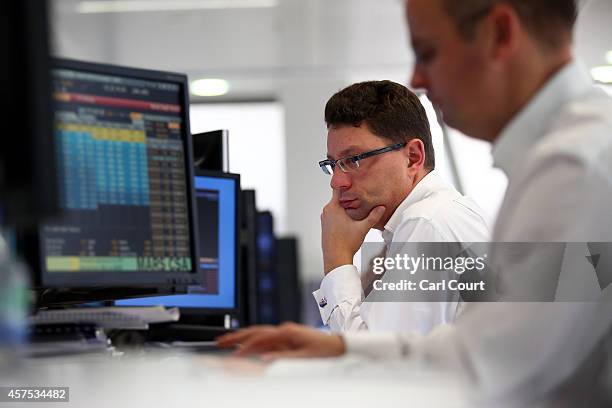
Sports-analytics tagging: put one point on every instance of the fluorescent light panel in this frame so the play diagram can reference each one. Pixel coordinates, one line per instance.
(135, 6)
(209, 87)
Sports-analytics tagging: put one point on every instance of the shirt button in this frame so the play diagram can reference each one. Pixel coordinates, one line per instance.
(323, 303)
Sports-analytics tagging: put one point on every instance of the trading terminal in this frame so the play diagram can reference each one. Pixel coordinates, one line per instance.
(137, 216)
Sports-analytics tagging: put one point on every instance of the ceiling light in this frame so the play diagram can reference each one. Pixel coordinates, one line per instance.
(602, 74)
(609, 57)
(127, 6)
(209, 87)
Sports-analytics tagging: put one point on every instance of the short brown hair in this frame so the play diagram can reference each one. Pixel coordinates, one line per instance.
(550, 22)
(390, 110)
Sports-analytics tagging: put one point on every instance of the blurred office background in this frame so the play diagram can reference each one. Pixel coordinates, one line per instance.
(279, 62)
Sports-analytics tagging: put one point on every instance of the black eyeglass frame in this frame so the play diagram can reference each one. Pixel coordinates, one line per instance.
(355, 159)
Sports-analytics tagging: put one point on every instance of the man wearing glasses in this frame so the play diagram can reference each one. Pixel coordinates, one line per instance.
(381, 161)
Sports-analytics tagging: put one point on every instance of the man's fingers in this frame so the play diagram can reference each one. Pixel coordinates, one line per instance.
(335, 194)
(375, 215)
(260, 343)
(334, 202)
(231, 339)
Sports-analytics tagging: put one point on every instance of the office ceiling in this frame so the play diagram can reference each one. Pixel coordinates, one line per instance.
(258, 43)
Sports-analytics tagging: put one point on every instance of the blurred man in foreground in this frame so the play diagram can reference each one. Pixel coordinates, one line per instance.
(503, 71)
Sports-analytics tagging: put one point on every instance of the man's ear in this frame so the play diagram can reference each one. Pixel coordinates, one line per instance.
(504, 30)
(415, 151)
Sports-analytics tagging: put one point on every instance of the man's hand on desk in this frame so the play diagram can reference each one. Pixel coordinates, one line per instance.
(289, 340)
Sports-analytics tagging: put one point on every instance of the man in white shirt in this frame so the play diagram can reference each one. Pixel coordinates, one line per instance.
(380, 153)
(503, 71)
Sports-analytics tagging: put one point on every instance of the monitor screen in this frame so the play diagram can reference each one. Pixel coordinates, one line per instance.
(217, 203)
(125, 180)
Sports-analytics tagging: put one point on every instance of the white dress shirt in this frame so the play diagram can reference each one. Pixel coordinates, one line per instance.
(433, 212)
(557, 154)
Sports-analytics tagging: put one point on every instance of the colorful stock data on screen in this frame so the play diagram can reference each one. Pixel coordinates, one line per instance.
(122, 177)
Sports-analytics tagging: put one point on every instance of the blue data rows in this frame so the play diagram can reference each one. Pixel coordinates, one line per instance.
(98, 171)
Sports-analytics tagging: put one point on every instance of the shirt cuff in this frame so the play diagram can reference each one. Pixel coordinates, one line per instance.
(340, 285)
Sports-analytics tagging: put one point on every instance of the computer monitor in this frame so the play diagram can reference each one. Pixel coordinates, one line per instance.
(28, 188)
(125, 176)
(211, 150)
(288, 280)
(248, 254)
(267, 279)
(217, 197)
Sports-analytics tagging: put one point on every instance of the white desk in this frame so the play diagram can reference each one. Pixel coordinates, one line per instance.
(173, 379)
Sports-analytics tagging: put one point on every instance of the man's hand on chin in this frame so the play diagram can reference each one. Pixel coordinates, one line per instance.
(341, 236)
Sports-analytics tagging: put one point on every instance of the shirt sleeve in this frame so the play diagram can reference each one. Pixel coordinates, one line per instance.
(339, 299)
(502, 348)
(432, 348)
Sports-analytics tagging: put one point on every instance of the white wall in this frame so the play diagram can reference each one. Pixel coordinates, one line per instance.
(256, 149)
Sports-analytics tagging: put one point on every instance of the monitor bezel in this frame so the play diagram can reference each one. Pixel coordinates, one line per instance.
(249, 255)
(153, 282)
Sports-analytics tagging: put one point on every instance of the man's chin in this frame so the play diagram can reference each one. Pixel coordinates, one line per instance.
(356, 214)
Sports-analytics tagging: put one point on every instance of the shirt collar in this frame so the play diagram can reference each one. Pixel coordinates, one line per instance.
(529, 125)
(431, 182)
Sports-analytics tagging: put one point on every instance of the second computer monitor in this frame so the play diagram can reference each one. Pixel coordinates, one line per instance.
(217, 203)
(211, 150)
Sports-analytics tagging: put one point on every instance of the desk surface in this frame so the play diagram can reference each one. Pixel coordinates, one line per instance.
(171, 379)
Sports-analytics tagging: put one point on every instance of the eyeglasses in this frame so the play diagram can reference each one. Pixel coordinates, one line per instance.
(350, 164)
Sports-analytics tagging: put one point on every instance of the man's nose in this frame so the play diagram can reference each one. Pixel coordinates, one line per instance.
(340, 180)
(418, 80)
